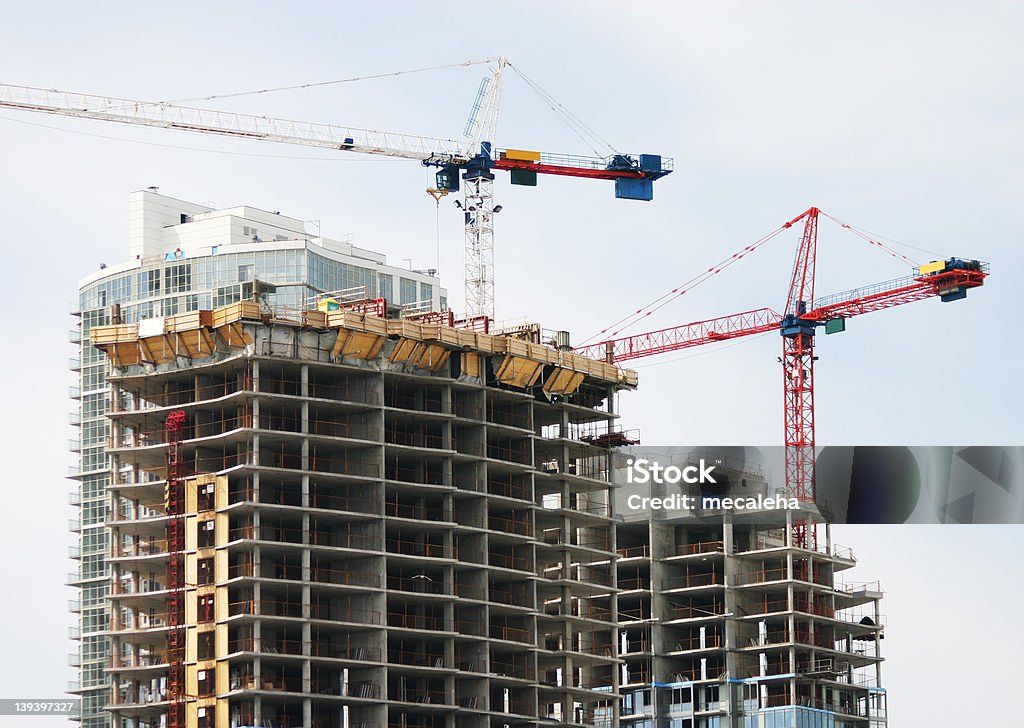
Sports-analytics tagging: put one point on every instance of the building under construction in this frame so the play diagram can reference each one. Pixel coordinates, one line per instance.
(338, 512)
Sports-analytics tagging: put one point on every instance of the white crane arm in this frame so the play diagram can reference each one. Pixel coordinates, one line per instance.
(246, 126)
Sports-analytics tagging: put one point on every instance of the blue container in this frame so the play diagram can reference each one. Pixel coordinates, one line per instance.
(628, 188)
(650, 163)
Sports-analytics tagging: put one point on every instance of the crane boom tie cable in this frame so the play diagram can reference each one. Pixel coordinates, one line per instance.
(658, 303)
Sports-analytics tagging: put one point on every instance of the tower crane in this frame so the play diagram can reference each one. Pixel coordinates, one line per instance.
(469, 163)
(948, 279)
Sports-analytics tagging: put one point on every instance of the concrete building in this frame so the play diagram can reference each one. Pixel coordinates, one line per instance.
(373, 518)
(185, 257)
(385, 523)
(725, 621)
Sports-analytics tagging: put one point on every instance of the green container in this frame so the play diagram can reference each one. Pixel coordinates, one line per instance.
(525, 177)
(835, 326)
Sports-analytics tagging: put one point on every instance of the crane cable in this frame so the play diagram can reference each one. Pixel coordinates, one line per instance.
(658, 303)
(873, 239)
(589, 137)
(390, 74)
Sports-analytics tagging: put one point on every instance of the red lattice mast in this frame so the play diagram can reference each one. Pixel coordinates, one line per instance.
(175, 506)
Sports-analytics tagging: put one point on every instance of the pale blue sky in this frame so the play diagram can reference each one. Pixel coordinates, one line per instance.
(901, 119)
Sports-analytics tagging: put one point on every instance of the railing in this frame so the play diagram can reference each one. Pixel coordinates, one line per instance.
(701, 547)
(593, 612)
(266, 607)
(771, 637)
(414, 511)
(511, 634)
(507, 453)
(416, 658)
(360, 391)
(417, 621)
(150, 548)
(420, 548)
(708, 642)
(418, 695)
(417, 475)
(637, 614)
(344, 577)
(636, 646)
(590, 575)
(399, 399)
(340, 502)
(239, 570)
(515, 526)
(508, 561)
(364, 689)
(468, 591)
(597, 509)
(509, 418)
(420, 584)
(858, 587)
(764, 575)
(508, 489)
(522, 671)
(634, 584)
(187, 396)
(768, 606)
(691, 612)
(394, 436)
(512, 597)
(320, 648)
(638, 676)
(634, 552)
(689, 581)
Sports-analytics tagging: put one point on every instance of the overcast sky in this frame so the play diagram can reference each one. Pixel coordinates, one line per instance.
(903, 119)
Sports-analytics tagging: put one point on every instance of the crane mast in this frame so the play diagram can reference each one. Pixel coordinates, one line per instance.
(798, 373)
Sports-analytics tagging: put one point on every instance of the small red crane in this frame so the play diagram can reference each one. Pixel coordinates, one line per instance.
(948, 279)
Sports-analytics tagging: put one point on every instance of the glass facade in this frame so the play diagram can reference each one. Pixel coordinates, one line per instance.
(160, 288)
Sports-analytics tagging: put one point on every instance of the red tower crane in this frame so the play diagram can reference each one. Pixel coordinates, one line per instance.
(948, 279)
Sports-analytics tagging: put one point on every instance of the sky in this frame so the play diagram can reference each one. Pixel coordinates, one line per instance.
(902, 119)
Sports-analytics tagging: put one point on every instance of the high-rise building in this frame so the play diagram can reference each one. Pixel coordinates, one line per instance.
(303, 506)
(186, 257)
(382, 522)
(731, 619)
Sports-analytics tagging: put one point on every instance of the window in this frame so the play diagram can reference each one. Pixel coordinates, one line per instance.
(206, 532)
(205, 608)
(206, 683)
(205, 645)
(385, 286)
(205, 716)
(149, 282)
(205, 572)
(178, 278)
(406, 291)
(205, 497)
(245, 273)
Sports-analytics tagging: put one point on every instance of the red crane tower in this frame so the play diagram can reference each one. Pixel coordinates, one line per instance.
(948, 279)
(174, 503)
